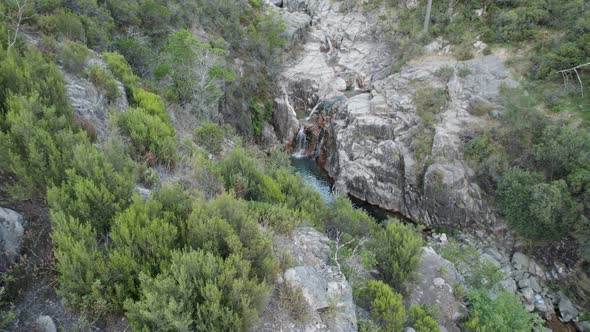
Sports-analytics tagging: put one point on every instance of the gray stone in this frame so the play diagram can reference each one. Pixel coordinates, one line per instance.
(443, 238)
(409, 329)
(528, 294)
(567, 310)
(583, 326)
(438, 282)
(534, 284)
(520, 261)
(509, 284)
(321, 283)
(45, 324)
(430, 289)
(11, 237)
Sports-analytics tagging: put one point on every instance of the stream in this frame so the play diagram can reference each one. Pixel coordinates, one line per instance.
(317, 178)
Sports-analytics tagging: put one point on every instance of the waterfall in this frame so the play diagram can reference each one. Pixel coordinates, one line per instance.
(301, 143)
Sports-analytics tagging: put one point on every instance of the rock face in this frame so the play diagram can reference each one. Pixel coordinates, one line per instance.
(434, 287)
(371, 134)
(89, 102)
(45, 324)
(327, 294)
(11, 236)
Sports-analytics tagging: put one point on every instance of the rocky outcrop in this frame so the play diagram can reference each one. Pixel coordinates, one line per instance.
(11, 236)
(90, 103)
(434, 287)
(374, 133)
(327, 294)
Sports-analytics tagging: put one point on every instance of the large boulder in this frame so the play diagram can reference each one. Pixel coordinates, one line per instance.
(434, 286)
(11, 236)
(326, 292)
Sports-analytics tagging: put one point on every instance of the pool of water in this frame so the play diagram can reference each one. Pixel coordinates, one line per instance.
(318, 179)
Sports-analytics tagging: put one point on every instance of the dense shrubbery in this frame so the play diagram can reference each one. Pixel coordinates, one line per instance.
(210, 136)
(385, 305)
(501, 312)
(398, 249)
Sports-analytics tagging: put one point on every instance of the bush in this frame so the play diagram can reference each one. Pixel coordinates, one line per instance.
(78, 260)
(385, 305)
(398, 250)
(73, 56)
(245, 175)
(421, 321)
(151, 103)
(445, 73)
(199, 292)
(211, 136)
(502, 312)
(348, 223)
(279, 218)
(533, 208)
(292, 300)
(225, 226)
(465, 71)
(120, 68)
(152, 138)
(104, 80)
(429, 102)
(480, 108)
(95, 188)
(37, 144)
(478, 273)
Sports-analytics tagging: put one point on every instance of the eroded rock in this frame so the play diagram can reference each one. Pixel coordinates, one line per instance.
(11, 237)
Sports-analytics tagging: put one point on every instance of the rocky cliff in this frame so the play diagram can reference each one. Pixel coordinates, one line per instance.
(364, 124)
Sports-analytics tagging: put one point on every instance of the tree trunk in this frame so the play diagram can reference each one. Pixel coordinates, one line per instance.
(427, 18)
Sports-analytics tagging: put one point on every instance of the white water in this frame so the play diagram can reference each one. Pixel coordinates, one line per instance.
(301, 143)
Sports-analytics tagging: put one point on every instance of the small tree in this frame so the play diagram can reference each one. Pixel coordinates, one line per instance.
(385, 305)
(398, 250)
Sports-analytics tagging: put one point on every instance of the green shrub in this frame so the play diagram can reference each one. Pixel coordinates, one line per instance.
(211, 136)
(96, 187)
(385, 305)
(292, 300)
(348, 223)
(422, 143)
(225, 226)
(487, 157)
(151, 103)
(37, 144)
(429, 102)
(421, 321)
(199, 292)
(533, 208)
(152, 138)
(78, 260)
(120, 68)
(27, 73)
(478, 273)
(480, 108)
(398, 250)
(445, 73)
(245, 175)
(582, 235)
(64, 23)
(73, 56)
(502, 312)
(104, 80)
(465, 71)
(279, 218)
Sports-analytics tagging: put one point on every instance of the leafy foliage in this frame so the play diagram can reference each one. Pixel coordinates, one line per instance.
(385, 305)
(502, 312)
(398, 250)
(198, 292)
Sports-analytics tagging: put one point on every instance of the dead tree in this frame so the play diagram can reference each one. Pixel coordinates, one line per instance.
(568, 74)
(427, 18)
(17, 19)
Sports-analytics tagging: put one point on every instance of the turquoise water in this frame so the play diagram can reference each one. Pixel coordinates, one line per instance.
(318, 179)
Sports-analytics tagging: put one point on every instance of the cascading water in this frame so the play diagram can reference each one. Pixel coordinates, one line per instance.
(301, 143)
